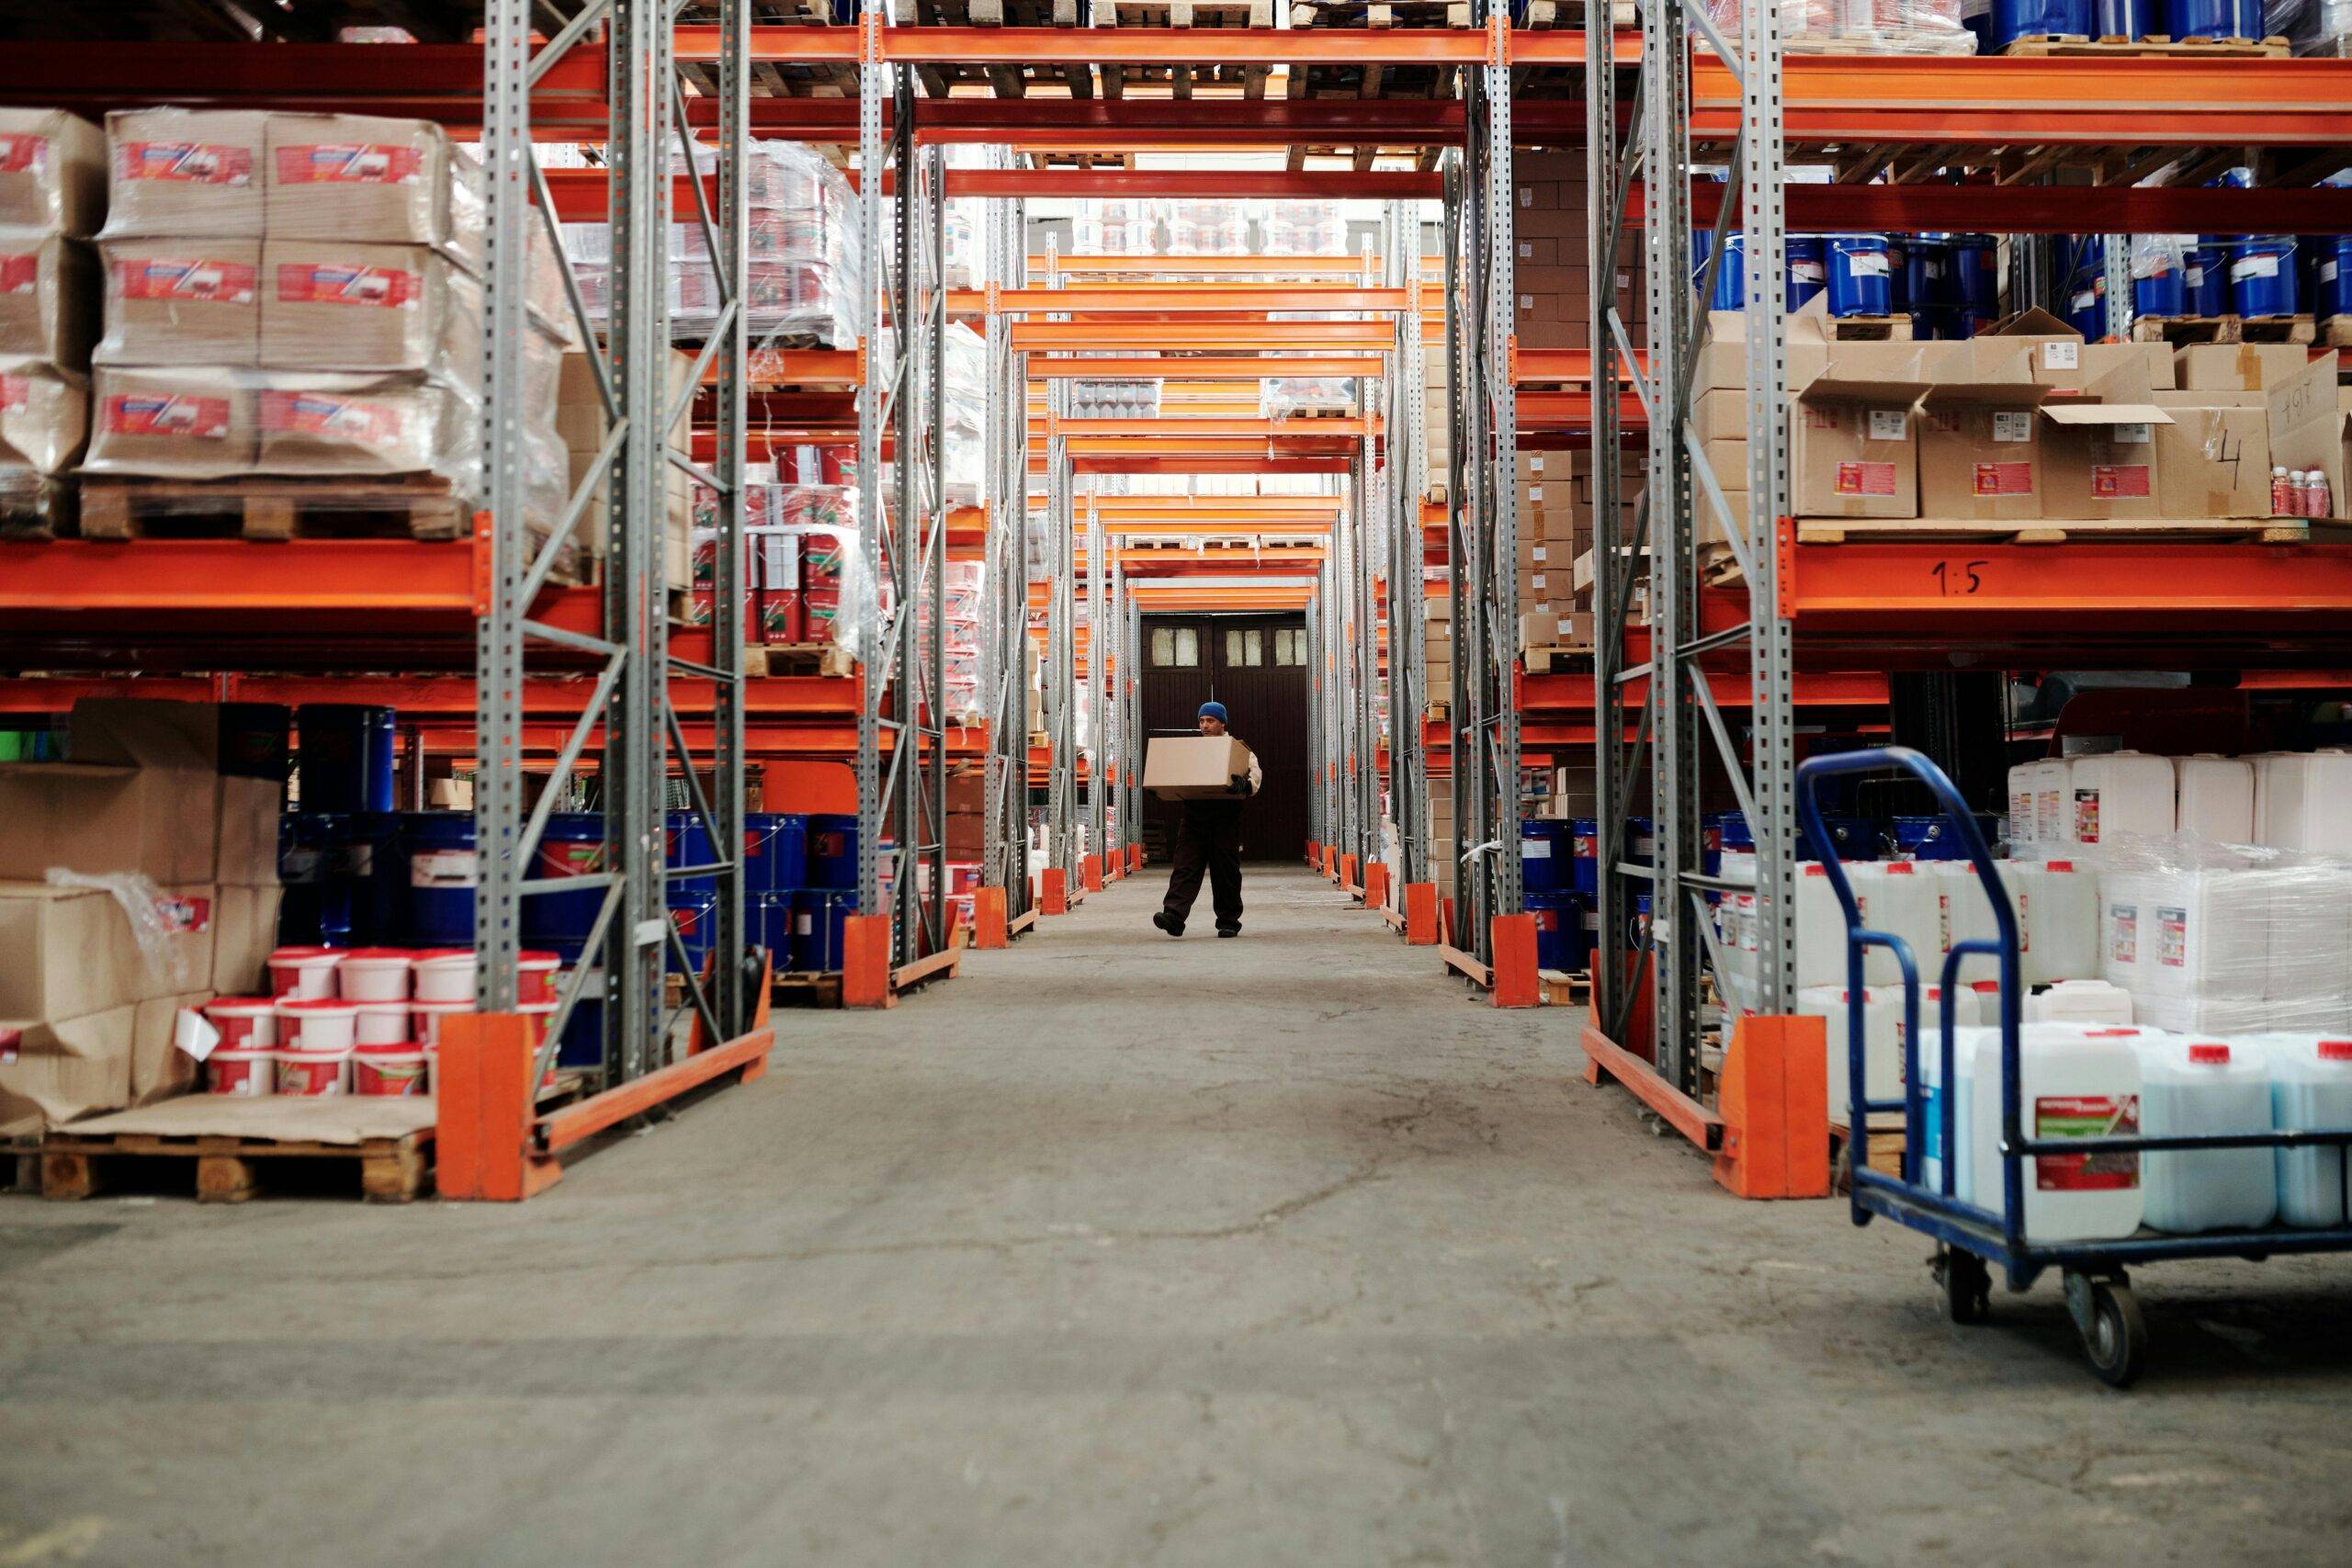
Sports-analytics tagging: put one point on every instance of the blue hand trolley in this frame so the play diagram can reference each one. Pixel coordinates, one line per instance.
(1970, 1241)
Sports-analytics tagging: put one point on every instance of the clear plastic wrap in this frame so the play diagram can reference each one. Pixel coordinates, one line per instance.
(44, 418)
(1115, 400)
(1859, 26)
(52, 171)
(2227, 939)
(2159, 256)
(1281, 397)
(1208, 228)
(1303, 229)
(49, 298)
(1113, 228)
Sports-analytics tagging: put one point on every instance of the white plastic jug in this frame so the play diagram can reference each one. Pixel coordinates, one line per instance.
(2057, 904)
(2308, 802)
(2119, 792)
(2310, 1091)
(1821, 927)
(2261, 763)
(1882, 1053)
(2216, 797)
(2079, 1001)
(1966, 915)
(2194, 1085)
(2074, 1083)
(2053, 801)
(2023, 827)
(2307, 971)
(1902, 899)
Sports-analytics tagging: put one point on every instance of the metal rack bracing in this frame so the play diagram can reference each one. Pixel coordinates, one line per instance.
(633, 935)
(1004, 635)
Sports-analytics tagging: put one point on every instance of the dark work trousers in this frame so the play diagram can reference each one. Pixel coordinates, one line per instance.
(1208, 839)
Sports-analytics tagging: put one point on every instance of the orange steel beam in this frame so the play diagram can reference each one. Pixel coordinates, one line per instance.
(436, 698)
(1203, 367)
(1141, 46)
(1135, 299)
(1191, 529)
(1251, 266)
(1177, 428)
(1269, 510)
(1031, 337)
(1178, 463)
(1226, 184)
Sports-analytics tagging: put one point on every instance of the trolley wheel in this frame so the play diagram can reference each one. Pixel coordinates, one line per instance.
(1968, 1286)
(2107, 1316)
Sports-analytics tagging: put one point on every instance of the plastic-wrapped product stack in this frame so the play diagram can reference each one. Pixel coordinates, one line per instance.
(297, 295)
(2217, 940)
(1861, 26)
(1113, 228)
(52, 198)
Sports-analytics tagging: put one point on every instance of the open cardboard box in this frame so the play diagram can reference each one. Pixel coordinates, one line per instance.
(1853, 448)
(1980, 443)
(2309, 430)
(2099, 459)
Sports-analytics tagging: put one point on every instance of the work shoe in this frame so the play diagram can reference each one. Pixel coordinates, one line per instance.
(1172, 927)
(1229, 931)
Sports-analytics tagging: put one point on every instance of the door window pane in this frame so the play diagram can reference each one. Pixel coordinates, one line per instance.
(1163, 646)
(1254, 643)
(1232, 649)
(1188, 647)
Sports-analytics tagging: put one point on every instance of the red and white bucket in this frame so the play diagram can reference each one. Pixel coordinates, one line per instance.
(534, 977)
(446, 974)
(428, 1017)
(241, 1072)
(315, 1024)
(375, 974)
(389, 1070)
(303, 971)
(312, 1073)
(384, 1023)
(246, 1024)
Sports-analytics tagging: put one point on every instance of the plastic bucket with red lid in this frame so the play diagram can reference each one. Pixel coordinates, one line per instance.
(246, 1024)
(252, 1071)
(317, 1023)
(303, 971)
(444, 975)
(428, 1017)
(398, 1069)
(312, 1073)
(385, 1023)
(535, 977)
(375, 974)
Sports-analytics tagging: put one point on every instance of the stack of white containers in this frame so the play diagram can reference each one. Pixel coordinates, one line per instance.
(2285, 800)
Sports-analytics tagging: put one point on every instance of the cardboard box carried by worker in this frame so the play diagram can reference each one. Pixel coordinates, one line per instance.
(1197, 767)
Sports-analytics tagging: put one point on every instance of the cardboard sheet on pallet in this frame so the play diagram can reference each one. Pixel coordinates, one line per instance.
(349, 1119)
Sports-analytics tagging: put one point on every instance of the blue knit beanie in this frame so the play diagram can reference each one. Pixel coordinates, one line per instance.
(1214, 711)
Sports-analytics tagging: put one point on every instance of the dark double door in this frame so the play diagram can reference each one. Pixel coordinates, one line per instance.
(1255, 665)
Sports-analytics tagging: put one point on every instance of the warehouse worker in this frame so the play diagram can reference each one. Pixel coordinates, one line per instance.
(1210, 837)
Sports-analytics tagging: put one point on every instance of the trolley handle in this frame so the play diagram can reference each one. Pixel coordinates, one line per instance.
(2005, 950)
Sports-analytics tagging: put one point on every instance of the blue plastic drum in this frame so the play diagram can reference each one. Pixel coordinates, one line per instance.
(1808, 271)
(696, 915)
(1858, 275)
(817, 920)
(832, 851)
(444, 872)
(2013, 19)
(1557, 925)
(573, 845)
(2262, 276)
(1928, 282)
(775, 851)
(344, 752)
(2214, 18)
(768, 919)
(1584, 854)
(2164, 292)
(2333, 291)
(2205, 281)
(1545, 847)
(1731, 277)
(687, 840)
(1977, 275)
(2128, 19)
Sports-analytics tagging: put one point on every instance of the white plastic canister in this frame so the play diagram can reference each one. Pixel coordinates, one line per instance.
(1881, 1052)
(2216, 797)
(2073, 1083)
(2310, 1091)
(2022, 828)
(2119, 792)
(2053, 801)
(2308, 802)
(2197, 1085)
(2057, 904)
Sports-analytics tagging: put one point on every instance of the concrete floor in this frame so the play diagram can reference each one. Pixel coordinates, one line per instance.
(1121, 1249)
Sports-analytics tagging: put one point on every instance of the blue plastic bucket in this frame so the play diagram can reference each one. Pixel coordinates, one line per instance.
(573, 845)
(444, 873)
(584, 1034)
(1545, 847)
(1639, 841)
(2162, 293)
(315, 907)
(1808, 270)
(1735, 835)
(832, 851)
(2085, 263)
(1927, 837)
(696, 917)
(2262, 276)
(1927, 281)
(1977, 275)
(2013, 19)
(775, 851)
(1731, 278)
(2205, 281)
(1898, 277)
(817, 923)
(1939, 325)
(1558, 926)
(686, 841)
(768, 918)
(2133, 20)
(2214, 18)
(2333, 292)
(1855, 836)
(1858, 275)
(1584, 854)
(346, 757)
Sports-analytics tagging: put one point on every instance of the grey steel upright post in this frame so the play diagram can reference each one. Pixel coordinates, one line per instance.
(1615, 767)
(1098, 647)
(1499, 460)
(1408, 456)
(1459, 560)
(1004, 669)
(1061, 722)
(1108, 641)
(876, 243)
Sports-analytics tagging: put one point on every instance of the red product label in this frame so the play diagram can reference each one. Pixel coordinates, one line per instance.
(2085, 1116)
(2005, 478)
(19, 274)
(334, 283)
(2172, 937)
(350, 163)
(1864, 479)
(184, 914)
(2117, 482)
(2123, 933)
(209, 282)
(188, 162)
(2087, 816)
(16, 394)
(23, 155)
(203, 419)
(339, 419)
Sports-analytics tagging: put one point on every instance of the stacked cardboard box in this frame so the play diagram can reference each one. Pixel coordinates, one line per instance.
(298, 294)
(52, 198)
(153, 832)
(1553, 256)
(581, 426)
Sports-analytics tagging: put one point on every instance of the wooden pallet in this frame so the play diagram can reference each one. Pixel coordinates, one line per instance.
(275, 510)
(20, 1156)
(1556, 658)
(38, 508)
(798, 659)
(1564, 990)
(2048, 46)
(1869, 329)
(2061, 530)
(1886, 1147)
(227, 1169)
(2335, 331)
(2181, 331)
(806, 988)
(1309, 413)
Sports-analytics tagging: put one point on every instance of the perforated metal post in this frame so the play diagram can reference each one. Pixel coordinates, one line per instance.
(1616, 767)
